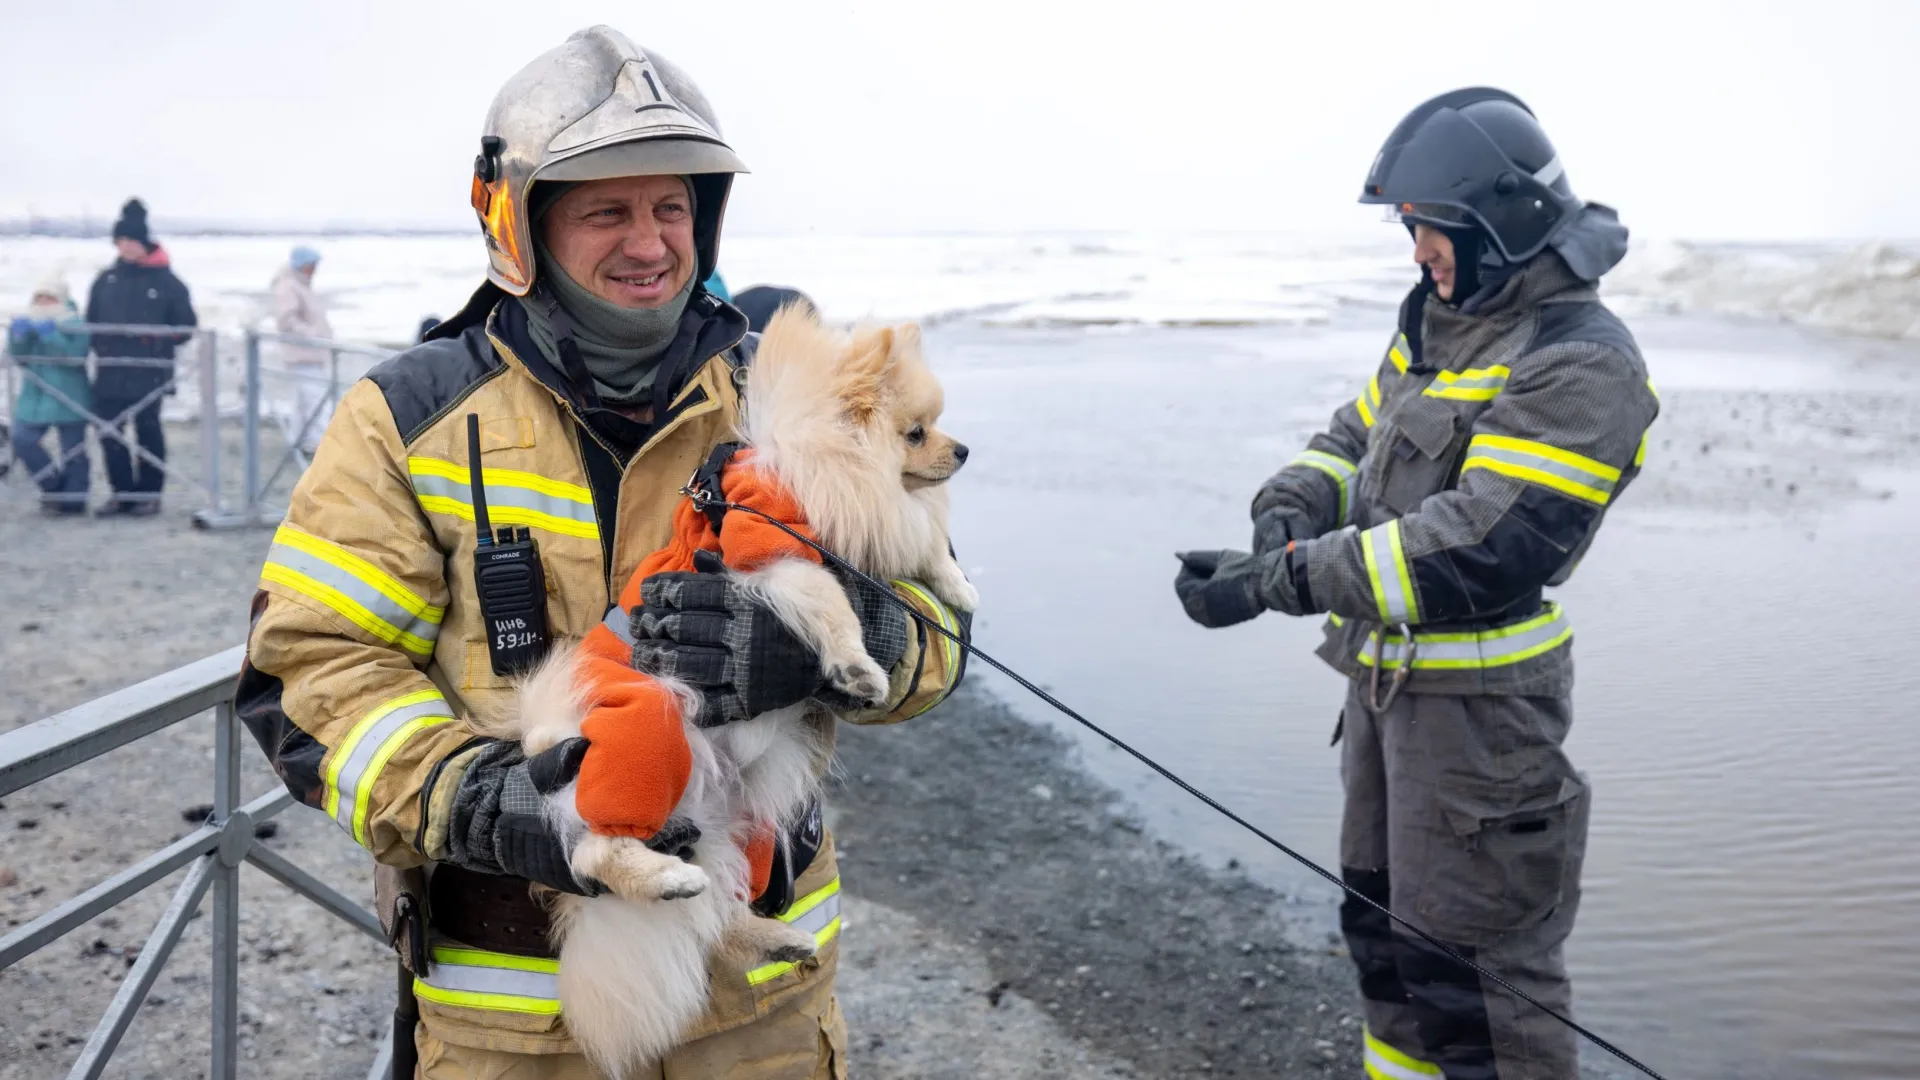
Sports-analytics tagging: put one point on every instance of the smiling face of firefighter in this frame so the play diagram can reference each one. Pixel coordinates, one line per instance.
(627, 240)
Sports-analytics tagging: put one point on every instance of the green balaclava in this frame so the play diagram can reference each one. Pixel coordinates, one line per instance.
(621, 346)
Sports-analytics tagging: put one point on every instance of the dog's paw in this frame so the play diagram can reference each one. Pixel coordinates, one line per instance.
(790, 953)
(862, 680)
(950, 584)
(680, 882)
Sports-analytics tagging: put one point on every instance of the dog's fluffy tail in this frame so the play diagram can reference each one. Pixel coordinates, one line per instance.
(634, 976)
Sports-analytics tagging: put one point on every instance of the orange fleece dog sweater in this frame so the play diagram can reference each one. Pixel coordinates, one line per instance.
(634, 785)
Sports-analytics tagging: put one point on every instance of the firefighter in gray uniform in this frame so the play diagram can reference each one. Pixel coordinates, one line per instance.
(1473, 469)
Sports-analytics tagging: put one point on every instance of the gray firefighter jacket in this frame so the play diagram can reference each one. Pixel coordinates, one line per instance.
(1472, 471)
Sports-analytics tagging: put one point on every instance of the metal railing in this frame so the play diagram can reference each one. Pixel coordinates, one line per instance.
(258, 408)
(205, 346)
(297, 424)
(213, 852)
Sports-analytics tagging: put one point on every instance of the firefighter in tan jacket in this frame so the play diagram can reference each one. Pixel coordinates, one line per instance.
(603, 376)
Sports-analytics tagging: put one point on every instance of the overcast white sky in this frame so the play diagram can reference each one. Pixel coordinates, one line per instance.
(1697, 119)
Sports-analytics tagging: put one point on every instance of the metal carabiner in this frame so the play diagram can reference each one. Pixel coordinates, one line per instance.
(1400, 674)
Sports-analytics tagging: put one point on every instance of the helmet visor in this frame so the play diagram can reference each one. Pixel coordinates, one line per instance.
(1439, 215)
(646, 157)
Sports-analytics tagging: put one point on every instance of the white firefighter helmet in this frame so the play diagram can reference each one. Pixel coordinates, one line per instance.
(595, 107)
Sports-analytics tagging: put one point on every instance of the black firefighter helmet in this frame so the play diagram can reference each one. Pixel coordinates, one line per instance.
(1475, 158)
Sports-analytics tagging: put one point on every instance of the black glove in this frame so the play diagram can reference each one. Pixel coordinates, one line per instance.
(704, 629)
(497, 824)
(1218, 588)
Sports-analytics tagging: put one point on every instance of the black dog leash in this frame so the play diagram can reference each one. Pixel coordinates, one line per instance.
(708, 501)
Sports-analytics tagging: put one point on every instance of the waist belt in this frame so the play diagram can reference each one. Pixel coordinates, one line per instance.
(489, 911)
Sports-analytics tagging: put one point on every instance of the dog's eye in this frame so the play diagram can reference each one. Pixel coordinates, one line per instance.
(916, 435)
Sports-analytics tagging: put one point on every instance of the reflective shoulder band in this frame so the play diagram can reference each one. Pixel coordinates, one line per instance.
(353, 588)
(1473, 384)
(1539, 463)
(513, 497)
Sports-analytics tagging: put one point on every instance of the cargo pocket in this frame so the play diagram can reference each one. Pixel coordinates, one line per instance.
(833, 1040)
(1501, 857)
(1416, 460)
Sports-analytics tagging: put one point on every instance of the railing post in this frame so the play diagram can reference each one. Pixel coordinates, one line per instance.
(251, 448)
(226, 899)
(210, 416)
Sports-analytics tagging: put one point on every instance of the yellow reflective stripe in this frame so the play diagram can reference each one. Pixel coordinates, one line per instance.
(511, 478)
(355, 766)
(374, 577)
(477, 979)
(473, 999)
(1373, 391)
(1339, 468)
(1539, 463)
(513, 497)
(1398, 354)
(1386, 1063)
(1366, 414)
(1472, 384)
(347, 607)
(1539, 476)
(773, 971)
(1389, 573)
(1640, 455)
(1469, 650)
(1551, 453)
(482, 958)
(807, 913)
(950, 649)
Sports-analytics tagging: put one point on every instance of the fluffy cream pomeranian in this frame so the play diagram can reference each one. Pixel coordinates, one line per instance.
(845, 422)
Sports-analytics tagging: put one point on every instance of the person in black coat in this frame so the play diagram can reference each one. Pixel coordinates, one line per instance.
(139, 288)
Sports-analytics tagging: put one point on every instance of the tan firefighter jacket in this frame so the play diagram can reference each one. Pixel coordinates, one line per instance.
(366, 649)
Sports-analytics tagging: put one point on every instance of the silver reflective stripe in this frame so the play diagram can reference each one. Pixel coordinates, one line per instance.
(428, 485)
(1385, 567)
(378, 604)
(1585, 478)
(1340, 469)
(620, 623)
(1492, 648)
(1550, 172)
(819, 917)
(352, 772)
(472, 979)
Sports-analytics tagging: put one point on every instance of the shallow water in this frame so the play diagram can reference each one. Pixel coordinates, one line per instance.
(1745, 693)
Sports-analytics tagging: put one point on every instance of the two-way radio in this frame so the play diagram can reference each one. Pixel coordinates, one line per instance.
(508, 575)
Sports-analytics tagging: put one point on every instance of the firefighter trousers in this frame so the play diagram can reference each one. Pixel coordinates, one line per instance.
(1465, 817)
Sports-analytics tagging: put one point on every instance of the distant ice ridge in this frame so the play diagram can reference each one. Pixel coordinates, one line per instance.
(1872, 289)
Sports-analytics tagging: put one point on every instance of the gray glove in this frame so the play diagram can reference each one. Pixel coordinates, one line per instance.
(1223, 588)
(705, 630)
(1275, 528)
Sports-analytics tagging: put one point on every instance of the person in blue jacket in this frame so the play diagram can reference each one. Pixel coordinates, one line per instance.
(54, 393)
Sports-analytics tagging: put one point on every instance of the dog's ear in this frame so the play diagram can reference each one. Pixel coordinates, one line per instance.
(868, 359)
(906, 339)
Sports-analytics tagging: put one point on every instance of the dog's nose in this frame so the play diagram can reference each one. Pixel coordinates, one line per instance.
(959, 454)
